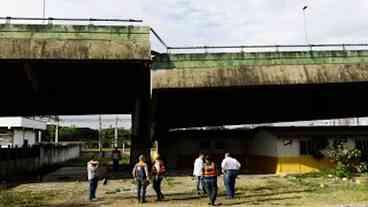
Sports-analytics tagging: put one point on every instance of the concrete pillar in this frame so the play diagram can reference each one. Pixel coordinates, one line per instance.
(164, 143)
(141, 136)
(141, 120)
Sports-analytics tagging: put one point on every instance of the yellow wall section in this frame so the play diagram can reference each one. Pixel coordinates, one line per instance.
(280, 165)
(301, 164)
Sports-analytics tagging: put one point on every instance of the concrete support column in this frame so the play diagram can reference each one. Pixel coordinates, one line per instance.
(141, 120)
(166, 145)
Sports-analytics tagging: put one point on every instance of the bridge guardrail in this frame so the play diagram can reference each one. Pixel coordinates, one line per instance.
(243, 47)
(50, 19)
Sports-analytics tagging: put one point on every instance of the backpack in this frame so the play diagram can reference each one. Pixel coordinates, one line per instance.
(140, 172)
(161, 170)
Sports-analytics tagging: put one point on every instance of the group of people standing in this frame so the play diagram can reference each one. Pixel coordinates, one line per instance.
(205, 172)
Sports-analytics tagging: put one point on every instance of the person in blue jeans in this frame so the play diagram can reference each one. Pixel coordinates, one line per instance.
(198, 174)
(210, 180)
(158, 171)
(140, 174)
(230, 168)
(92, 167)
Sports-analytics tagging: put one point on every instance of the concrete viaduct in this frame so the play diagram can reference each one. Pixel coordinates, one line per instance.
(90, 69)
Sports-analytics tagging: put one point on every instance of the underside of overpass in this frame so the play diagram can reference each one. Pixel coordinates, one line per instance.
(70, 87)
(195, 107)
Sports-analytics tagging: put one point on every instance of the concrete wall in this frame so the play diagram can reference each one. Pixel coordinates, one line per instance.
(22, 161)
(263, 144)
(24, 134)
(182, 153)
(285, 150)
(18, 137)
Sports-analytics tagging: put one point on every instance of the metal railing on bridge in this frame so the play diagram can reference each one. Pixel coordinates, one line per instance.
(274, 48)
(50, 20)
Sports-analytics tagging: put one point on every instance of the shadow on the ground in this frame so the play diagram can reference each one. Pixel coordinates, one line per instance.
(260, 201)
(72, 205)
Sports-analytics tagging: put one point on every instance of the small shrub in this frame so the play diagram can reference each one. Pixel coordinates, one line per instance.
(363, 168)
(346, 159)
(342, 171)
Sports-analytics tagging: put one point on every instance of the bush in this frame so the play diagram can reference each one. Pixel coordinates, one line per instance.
(347, 160)
(342, 171)
(363, 168)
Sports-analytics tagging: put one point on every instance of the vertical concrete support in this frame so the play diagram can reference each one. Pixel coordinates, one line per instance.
(141, 119)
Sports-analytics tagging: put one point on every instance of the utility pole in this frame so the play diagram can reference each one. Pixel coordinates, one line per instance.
(116, 131)
(100, 133)
(57, 132)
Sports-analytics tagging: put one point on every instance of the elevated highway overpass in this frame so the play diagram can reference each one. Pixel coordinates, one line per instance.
(90, 69)
(202, 89)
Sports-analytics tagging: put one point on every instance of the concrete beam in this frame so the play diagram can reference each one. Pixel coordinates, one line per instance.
(244, 69)
(77, 42)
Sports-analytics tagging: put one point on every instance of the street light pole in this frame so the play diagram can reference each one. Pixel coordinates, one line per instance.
(305, 25)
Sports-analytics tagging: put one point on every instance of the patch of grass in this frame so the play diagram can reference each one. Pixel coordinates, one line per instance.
(25, 198)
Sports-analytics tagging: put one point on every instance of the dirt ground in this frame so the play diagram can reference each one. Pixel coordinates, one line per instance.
(256, 191)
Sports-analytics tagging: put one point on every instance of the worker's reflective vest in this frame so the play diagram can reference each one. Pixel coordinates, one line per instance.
(209, 170)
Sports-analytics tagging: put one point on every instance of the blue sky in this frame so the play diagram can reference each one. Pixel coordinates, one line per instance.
(218, 22)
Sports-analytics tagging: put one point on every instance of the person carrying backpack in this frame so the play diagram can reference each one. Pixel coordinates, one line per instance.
(158, 171)
(140, 174)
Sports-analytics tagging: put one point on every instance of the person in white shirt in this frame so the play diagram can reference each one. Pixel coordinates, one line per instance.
(198, 173)
(230, 168)
(92, 167)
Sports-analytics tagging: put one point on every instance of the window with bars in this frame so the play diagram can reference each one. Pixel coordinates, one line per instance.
(313, 146)
(306, 147)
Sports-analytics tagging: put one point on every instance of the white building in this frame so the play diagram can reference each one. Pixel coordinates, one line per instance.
(20, 131)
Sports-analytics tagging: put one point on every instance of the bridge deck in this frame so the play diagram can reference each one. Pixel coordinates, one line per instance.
(263, 68)
(78, 42)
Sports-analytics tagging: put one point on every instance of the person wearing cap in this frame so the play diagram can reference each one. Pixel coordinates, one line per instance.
(198, 174)
(140, 174)
(230, 168)
(210, 179)
(92, 167)
(158, 171)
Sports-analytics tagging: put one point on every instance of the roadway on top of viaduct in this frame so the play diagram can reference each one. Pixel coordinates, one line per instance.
(259, 68)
